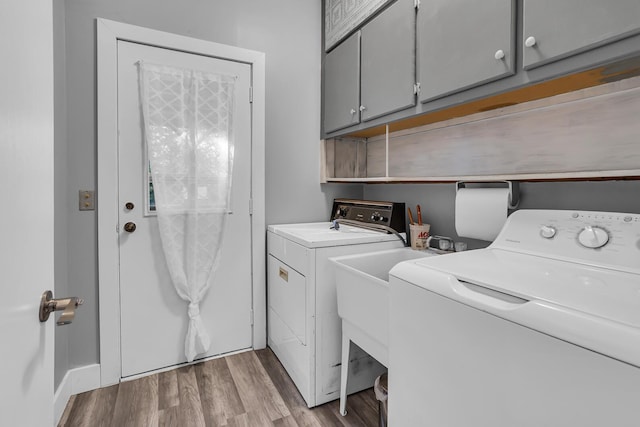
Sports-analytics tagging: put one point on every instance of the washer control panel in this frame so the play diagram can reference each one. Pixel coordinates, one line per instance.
(606, 239)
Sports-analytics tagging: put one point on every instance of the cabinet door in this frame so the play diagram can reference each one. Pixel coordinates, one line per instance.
(464, 43)
(342, 85)
(388, 61)
(556, 29)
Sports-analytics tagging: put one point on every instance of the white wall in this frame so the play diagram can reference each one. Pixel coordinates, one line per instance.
(288, 31)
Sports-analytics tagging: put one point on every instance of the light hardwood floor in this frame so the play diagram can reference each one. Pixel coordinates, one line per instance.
(247, 389)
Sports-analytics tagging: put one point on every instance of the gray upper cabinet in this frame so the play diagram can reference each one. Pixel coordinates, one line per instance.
(464, 43)
(342, 85)
(463, 51)
(388, 61)
(556, 29)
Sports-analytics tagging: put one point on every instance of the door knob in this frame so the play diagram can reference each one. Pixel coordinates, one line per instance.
(130, 227)
(48, 304)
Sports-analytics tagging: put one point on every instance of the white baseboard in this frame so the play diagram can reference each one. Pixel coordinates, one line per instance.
(75, 381)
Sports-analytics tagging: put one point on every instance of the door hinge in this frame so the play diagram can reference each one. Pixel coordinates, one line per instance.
(250, 94)
(416, 89)
(250, 206)
(416, 4)
(251, 317)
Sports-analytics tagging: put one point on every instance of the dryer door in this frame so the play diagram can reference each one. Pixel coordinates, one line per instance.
(287, 297)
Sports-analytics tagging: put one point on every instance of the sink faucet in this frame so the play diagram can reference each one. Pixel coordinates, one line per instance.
(444, 243)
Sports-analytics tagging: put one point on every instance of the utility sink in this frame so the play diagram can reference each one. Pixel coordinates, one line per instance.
(362, 283)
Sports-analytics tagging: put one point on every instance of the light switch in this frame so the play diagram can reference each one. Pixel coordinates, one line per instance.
(87, 200)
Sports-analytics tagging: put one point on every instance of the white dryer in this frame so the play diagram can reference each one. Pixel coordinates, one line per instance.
(304, 329)
(542, 328)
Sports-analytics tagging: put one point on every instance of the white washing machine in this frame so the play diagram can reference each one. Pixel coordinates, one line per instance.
(304, 330)
(542, 328)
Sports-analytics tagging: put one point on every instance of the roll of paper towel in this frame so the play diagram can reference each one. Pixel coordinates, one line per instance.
(481, 212)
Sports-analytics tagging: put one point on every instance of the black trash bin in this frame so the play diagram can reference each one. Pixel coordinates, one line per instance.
(381, 388)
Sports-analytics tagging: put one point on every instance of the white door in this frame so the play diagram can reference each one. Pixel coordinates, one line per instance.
(26, 192)
(153, 317)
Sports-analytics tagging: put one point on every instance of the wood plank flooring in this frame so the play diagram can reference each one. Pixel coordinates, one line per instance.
(245, 390)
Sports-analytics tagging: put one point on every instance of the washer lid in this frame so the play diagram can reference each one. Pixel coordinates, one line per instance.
(319, 234)
(592, 307)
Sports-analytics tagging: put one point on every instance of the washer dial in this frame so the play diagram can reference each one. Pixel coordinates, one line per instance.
(593, 237)
(547, 231)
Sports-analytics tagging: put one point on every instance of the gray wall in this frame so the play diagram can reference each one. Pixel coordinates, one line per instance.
(438, 200)
(288, 31)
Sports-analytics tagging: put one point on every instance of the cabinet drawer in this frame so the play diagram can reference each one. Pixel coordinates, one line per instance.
(287, 296)
(293, 254)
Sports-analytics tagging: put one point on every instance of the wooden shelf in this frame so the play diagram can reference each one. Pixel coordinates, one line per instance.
(628, 175)
(592, 133)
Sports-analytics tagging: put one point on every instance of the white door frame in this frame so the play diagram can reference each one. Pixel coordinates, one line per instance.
(109, 32)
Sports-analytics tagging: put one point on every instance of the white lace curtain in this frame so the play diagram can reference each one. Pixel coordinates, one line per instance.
(188, 118)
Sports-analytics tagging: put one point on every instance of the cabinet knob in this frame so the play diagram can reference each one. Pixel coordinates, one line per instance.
(362, 108)
(353, 111)
(530, 41)
(499, 54)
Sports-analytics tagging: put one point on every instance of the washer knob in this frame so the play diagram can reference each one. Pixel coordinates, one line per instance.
(593, 237)
(547, 231)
